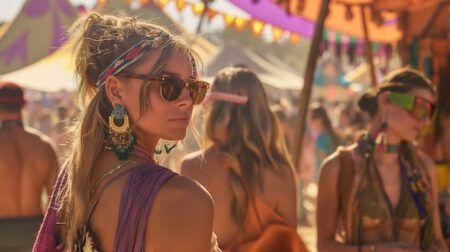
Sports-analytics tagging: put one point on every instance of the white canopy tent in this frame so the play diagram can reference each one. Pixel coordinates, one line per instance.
(270, 74)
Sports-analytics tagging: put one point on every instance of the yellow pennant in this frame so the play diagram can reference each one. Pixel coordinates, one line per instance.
(228, 19)
(198, 8)
(161, 3)
(240, 23)
(257, 27)
(181, 4)
(277, 33)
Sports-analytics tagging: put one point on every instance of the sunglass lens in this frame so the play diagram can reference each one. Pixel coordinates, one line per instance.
(198, 90)
(422, 109)
(171, 88)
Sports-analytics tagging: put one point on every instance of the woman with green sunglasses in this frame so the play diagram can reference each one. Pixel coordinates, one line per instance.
(379, 194)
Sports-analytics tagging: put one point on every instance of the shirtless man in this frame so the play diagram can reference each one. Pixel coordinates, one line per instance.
(28, 165)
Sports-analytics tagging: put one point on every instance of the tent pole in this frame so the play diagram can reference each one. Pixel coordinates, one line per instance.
(368, 47)
(305, 94)
(200, 22)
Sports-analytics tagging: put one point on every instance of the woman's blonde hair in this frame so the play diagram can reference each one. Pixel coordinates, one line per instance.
(99, 40)
(248, 135)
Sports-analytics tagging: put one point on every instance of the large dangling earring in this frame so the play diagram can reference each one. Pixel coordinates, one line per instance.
(164, 147)
(122, 138)
(381, 139)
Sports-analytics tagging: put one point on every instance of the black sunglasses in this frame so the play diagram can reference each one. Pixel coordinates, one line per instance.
(172, 86)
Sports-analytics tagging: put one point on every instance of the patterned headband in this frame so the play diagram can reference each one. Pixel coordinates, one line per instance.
(131, 55)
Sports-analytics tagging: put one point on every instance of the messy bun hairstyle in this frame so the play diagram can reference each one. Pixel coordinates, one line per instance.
(402, 80)
(99, 40)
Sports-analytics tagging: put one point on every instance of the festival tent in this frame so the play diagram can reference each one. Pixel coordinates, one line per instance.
(37, 31)
(50, 74)
(56, 71)
(269, 73)
(149, 10)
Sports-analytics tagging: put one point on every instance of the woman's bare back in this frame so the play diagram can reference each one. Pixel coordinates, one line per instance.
(211, 172)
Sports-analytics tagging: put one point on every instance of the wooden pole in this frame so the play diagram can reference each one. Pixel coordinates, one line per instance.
(200, 22)
(305, 95)
(368, 47)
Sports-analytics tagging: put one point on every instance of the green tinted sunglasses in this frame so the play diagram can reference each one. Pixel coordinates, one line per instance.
(418, 107)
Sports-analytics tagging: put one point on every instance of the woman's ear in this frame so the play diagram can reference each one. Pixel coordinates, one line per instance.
(114, 90)
(383, 100)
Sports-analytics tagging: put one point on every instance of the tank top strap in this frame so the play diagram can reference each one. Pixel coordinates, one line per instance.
(97, 193)
(137, 199)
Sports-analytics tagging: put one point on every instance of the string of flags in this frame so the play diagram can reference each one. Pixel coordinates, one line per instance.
(333, 41)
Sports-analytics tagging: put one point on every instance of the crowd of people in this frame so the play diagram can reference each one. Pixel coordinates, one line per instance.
(98, 174)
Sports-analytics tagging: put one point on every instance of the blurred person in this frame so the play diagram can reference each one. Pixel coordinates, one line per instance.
(436, 143)
(380, 194)
(246, 168)
(137, 85)
(283, 119)
(324, 136)
(345, 116)
(28, 168)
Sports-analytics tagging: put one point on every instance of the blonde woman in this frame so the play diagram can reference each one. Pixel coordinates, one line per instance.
(246, 168)
(137, 85)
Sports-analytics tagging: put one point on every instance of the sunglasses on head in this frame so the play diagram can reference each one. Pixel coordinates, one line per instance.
(418, 107)
(172, 86)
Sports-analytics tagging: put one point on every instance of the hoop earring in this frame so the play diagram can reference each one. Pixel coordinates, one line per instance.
(122, 138)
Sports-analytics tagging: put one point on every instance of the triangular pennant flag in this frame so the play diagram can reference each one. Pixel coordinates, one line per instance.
(240, 23)
(256, 27)
(161, 3)
(228, 19)
(181, 4)
(294, 38)
(211, 14)
(198, 8)
(277, 33)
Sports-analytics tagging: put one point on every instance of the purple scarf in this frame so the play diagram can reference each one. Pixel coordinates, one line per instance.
(137, 199)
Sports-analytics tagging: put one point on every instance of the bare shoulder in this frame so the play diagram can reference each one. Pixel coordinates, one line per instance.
(182, 209)
(330, 166)
(181, 192)
(191, 163)
(425, 159)
(40, 140)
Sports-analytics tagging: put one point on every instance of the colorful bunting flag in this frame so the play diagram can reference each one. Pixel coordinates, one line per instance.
(240, 23)
(181, 4)
(228, 19)
(277, 33)
(198, 8)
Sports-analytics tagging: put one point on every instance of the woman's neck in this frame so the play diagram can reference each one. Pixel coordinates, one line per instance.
(10, 116)
(389, 153)
(146, 141)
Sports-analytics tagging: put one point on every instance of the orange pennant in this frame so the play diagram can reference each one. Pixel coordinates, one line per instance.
(198, 8)
(257, 27)
(211, 14)
(240, 23)
(181, 4)
(277, 33)
(228, 19)
(294, 38)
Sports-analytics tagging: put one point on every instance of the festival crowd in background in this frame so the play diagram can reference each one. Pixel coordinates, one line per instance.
(132, 176)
